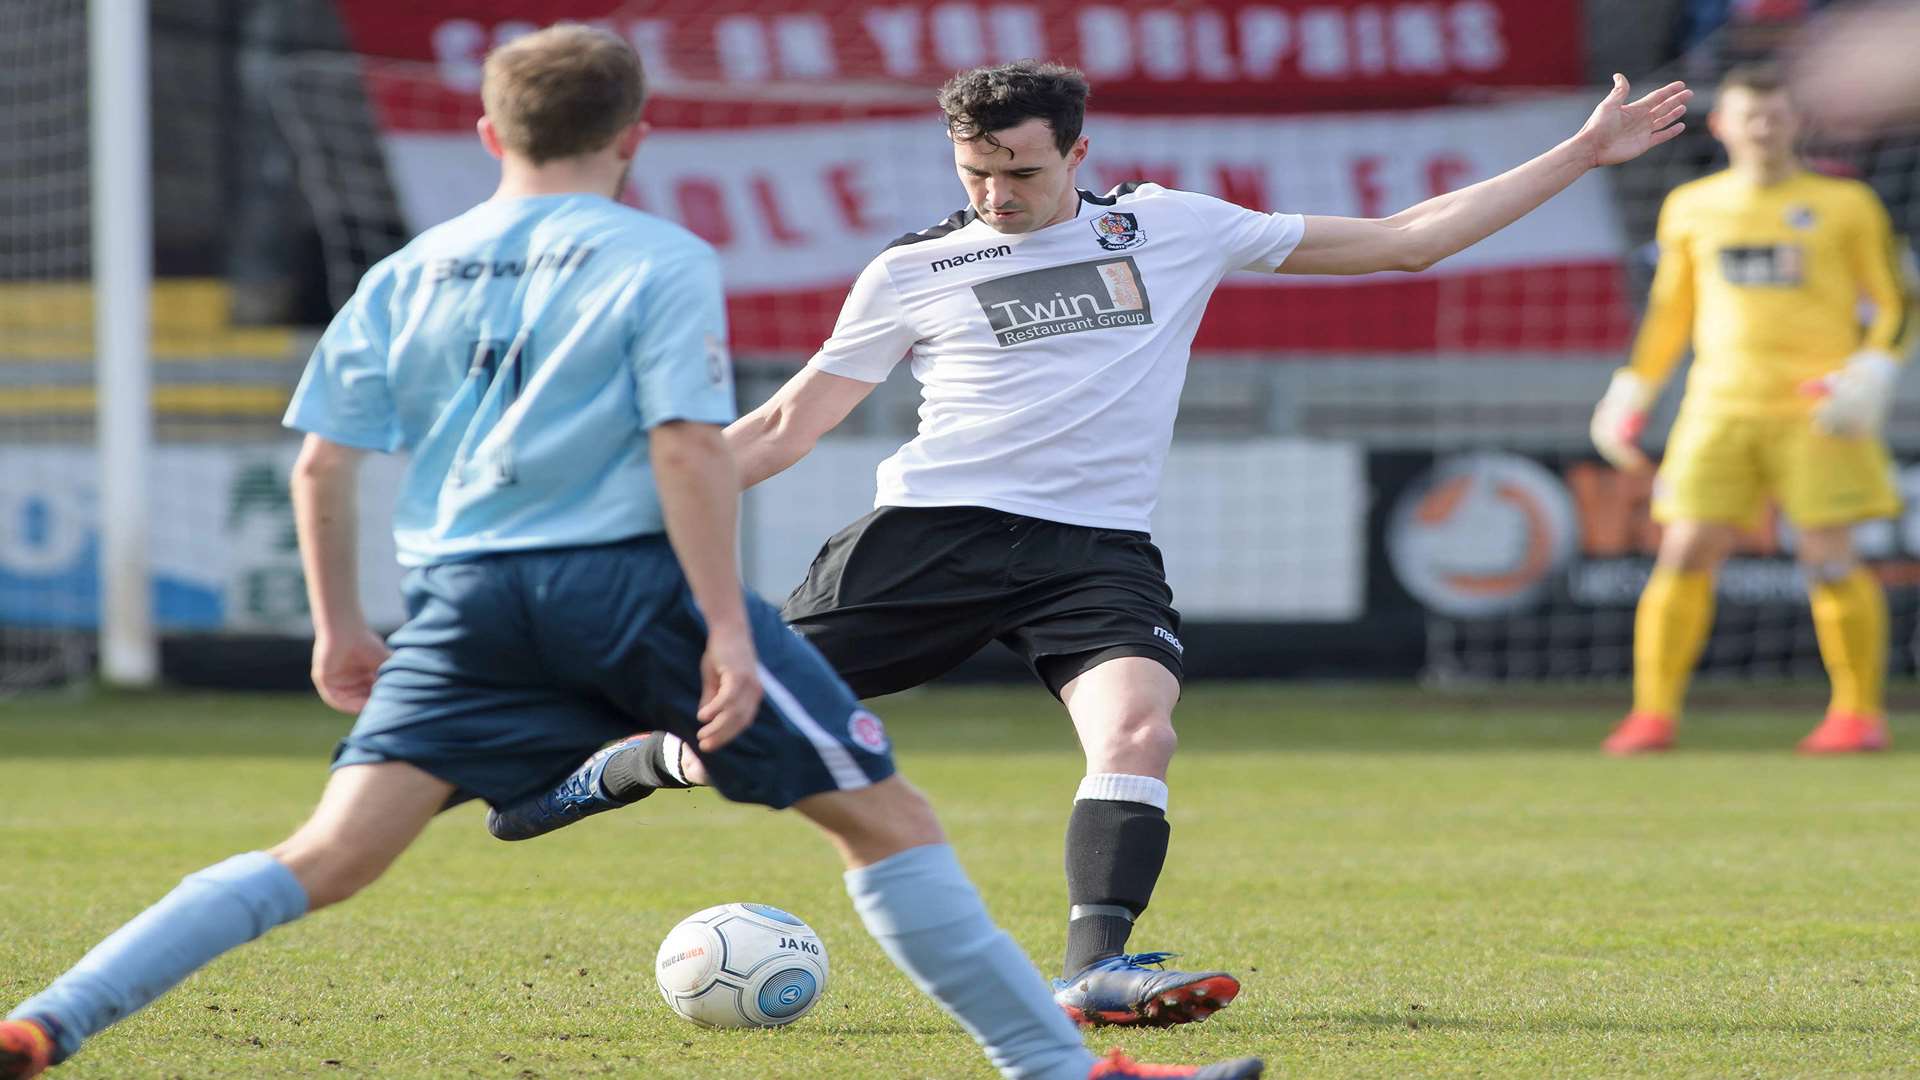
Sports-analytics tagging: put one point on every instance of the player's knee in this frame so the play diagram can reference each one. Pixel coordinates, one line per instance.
(1156, 737)
(1137, 741)
(1827, 554)
(1698, 561)
(1695, 547)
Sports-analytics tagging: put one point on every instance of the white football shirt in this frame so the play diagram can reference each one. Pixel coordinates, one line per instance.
(1050, 362)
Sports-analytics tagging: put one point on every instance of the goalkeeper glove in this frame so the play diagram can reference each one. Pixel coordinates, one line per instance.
(1618, 420)
(1854, 400)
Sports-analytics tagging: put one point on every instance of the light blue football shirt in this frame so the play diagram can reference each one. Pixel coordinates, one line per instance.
(520, 353)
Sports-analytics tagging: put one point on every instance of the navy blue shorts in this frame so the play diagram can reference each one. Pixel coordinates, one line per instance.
(513, 668)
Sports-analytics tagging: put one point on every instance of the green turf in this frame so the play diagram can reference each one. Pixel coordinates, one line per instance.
(1410, 884)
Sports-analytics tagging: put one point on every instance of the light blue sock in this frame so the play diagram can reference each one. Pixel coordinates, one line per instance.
(209, 912)
(924, 912)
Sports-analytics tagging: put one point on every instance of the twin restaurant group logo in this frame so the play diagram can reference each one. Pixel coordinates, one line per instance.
(1065, 300)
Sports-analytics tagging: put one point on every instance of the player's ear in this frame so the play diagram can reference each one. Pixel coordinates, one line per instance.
(1077, 153)
(628, 142)
(489, 138)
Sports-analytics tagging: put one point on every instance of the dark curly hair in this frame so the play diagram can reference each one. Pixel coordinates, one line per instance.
(989, 99)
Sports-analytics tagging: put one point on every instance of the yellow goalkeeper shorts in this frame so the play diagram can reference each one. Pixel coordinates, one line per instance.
(1726, 468)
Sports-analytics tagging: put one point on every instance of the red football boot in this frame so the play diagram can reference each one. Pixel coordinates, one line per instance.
(1640, 733)
(25, 1049)
(1846, 733)
(1118, 1066)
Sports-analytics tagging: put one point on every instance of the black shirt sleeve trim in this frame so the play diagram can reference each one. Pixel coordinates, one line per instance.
(954, 222)
(1113, 196)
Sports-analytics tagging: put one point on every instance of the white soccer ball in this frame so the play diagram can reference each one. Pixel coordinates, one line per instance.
(741, 965)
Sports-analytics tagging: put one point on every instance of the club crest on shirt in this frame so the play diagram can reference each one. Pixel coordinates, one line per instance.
(719, 362)
(1800, 217)
(1117, 231)
(867, 732)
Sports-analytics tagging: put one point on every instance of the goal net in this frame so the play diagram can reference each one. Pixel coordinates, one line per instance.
(48, 600)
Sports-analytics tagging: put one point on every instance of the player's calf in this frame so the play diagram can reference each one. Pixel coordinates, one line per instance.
(367, 816)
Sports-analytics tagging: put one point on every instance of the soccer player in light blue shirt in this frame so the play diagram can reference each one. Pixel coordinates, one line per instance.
(519, 354)
(554, 366)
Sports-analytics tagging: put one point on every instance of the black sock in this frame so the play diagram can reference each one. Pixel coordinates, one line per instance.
(1114, 854)
(634, 773)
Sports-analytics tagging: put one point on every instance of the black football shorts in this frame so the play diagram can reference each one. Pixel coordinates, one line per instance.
(905, 594)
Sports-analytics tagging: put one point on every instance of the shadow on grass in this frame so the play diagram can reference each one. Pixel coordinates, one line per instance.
(1421, 1020)
(1411, 1020)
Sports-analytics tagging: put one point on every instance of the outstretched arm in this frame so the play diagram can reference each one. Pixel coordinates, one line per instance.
(772, 437)
(1422, 235)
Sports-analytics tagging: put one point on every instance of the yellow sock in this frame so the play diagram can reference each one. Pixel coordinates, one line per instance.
(1850, 619)
(1669, 630)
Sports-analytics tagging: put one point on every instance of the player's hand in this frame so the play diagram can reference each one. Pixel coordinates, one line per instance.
(1853, 401)
(1618, 421)
(344, 667)
(729, 687)
(1618, 131)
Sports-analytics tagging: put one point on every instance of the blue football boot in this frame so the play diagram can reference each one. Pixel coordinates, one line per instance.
(579, 795)
(1124, 990)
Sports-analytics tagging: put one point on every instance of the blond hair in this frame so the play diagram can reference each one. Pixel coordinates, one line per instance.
(562, 92)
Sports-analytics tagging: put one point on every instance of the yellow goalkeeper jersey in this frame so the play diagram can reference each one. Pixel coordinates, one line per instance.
(1769, 283)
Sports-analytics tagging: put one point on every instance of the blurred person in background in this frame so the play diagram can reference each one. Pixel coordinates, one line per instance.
(1856, 72)
(1763, 267)
(1716, 34)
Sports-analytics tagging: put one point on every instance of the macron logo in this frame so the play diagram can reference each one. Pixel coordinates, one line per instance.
(1166, 635)
(971, 256)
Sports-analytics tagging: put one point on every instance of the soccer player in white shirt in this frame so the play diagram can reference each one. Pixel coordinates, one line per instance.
(1049, 328)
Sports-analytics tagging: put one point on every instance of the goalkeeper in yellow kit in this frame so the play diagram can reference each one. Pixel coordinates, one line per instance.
(1764, 266)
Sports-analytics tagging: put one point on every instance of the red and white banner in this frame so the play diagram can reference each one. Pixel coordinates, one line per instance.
(1143, 55)
(797, 209)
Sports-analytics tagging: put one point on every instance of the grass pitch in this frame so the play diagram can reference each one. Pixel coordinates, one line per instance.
(1409, 884)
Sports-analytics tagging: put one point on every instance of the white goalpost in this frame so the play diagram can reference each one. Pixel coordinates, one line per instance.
(122, 246)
